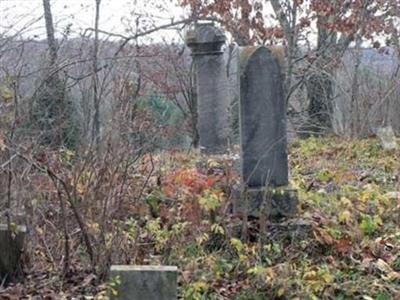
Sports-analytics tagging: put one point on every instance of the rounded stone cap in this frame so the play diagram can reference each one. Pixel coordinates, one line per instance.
(205, 39)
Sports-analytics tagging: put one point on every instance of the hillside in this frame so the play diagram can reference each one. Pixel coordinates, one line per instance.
(344, 243)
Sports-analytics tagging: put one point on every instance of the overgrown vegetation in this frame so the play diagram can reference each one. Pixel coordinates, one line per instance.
(175, 208)
(98, 128)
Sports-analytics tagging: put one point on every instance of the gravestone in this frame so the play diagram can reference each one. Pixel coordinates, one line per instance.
(264, 160)
(233, 71)
(144, 282)
(11, 247)
(387, 138)
(206, 41)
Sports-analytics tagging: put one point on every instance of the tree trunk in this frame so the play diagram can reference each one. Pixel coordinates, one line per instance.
(49, 112)
(95, 79)
(51, 41)
(320, 107)
(355, 128)
(320, 84)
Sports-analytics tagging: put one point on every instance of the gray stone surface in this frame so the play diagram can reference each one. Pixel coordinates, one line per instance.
(289, 232)
(262, 120)
(232, 59)
(11, 247)
(206, 42)
(275, 203)
(145, 282)
(387, 138)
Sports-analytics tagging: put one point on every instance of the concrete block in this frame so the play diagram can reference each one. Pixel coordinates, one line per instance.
(11, 247)
(144, 282)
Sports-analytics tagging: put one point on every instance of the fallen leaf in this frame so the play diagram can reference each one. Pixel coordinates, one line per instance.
(343, 245)
(383, 266)
(323, 236)
(311, 275)
(344, 216)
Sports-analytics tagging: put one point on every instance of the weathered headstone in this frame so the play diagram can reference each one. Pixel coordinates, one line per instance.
(263, 120)
(233, 71)
(387, 138)
(11, 247)
(206, 41)
(264, 162)
(144, 282)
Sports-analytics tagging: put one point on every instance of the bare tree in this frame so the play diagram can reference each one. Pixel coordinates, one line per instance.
(51, 41)
(51, 109)
(95, 78)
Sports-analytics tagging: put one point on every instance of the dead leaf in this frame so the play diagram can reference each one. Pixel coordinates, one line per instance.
(323, 236)
(392, 276)
(343, 246)
(345, 216)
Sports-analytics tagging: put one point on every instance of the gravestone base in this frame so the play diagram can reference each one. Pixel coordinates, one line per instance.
(144, 282)
(291, 230)
(11, 247)
(275, 203)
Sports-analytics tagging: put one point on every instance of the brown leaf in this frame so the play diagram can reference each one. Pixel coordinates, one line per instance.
(323, 236)
(343, 246)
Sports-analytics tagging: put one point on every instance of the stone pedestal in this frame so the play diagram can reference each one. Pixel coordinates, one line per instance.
(274, 203)
(206, 41)
(11, 247)
(144, 282)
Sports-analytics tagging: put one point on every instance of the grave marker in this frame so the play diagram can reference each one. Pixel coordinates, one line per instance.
(144, 282)
(205, 41)
(11, 247)
(264, 160)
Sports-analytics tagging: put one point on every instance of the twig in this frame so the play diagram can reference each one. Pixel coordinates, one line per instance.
(46, 169)
(65, 229)
(148, 177)
(8, 162)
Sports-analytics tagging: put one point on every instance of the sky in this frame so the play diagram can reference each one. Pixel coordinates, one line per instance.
(116, 15)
